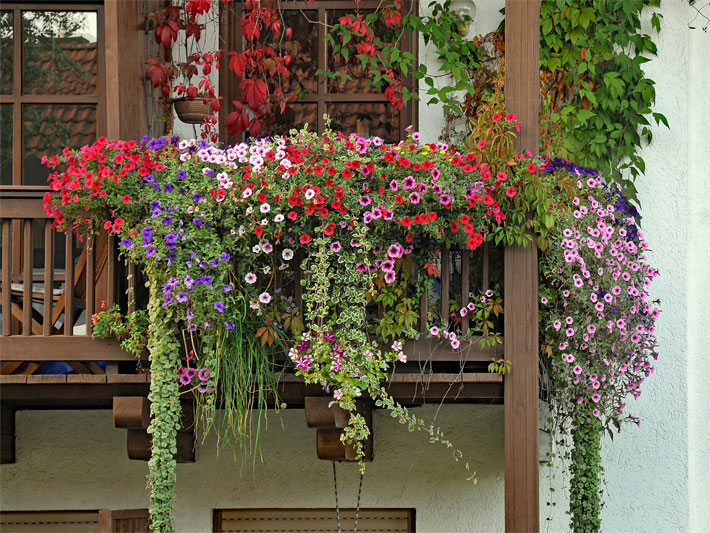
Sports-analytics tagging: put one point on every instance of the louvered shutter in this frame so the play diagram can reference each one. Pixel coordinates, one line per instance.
(312, 520)
(123, 521)
(49, 522)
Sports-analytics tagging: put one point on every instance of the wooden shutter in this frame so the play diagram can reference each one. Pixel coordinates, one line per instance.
(123, 521)
(49, 521)
(312, 520)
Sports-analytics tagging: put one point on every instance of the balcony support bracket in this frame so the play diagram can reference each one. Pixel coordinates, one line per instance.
(330, 422)
(132, 413)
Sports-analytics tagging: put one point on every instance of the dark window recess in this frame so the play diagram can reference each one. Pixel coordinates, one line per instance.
(353, 106)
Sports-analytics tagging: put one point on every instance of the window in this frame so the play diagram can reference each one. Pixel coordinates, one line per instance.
(49, 521)
(51, 94)
(312, 520)
(351, 105)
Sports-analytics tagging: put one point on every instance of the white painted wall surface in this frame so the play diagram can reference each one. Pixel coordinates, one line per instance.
(77, 460)
(657, 474)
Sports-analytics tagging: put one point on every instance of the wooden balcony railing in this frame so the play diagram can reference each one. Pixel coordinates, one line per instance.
(52, 283)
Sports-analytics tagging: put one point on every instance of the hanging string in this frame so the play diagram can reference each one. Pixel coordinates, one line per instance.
(357, 509)
(337, 506)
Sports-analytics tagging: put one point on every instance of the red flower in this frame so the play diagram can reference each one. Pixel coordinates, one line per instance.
(432, 216)
(292, 215)
(532, 168)
(347, 173)
(258, 231)
(406, 221)
(126, 199)
(305, 238)
(510, 192)
(454, 226)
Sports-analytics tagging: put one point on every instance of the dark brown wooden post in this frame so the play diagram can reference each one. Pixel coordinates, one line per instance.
(522, 22)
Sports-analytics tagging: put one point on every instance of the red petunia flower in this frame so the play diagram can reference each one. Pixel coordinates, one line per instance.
(305, 238)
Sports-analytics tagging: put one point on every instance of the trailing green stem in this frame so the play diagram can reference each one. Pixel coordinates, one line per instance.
(165, 411)
(585, 486)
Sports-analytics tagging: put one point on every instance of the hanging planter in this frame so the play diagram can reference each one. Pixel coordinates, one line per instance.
(191, 111)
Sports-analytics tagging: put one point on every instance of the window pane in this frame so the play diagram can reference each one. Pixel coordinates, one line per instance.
(47, 129)
(303, 49)
(376, 119)
(6, 144)
(295, 115)
(351, 67)
(6, 41)
(59, 52)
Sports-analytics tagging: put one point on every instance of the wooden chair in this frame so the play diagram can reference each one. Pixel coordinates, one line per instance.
(100, 252)
(100, 256)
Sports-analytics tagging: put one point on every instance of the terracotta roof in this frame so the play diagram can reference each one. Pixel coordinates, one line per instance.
(48, 128)
(75, 73)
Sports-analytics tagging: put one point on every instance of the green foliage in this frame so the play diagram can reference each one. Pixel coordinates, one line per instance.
(585, 487)
(164, 399)
(599, 50)
(131, 329)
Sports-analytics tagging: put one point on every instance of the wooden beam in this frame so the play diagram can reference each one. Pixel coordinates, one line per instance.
(7, 434)
(61, 348)
(131, 412)
(522, 94)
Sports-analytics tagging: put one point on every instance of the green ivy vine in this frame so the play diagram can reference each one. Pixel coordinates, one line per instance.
(164, 399)
(597, 49)
(585, 483)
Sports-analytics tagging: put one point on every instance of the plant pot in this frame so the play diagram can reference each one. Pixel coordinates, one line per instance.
(191, 111)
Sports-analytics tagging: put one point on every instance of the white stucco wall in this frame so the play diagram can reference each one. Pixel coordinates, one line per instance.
(657, 474)
(77, 460)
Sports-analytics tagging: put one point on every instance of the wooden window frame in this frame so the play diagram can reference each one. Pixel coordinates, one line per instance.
(17, 99)
(218, 518)
(230, 32)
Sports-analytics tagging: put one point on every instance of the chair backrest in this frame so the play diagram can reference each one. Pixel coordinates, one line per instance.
(100, 249)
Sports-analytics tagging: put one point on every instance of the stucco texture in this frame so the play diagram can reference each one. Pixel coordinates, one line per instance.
(77, 460)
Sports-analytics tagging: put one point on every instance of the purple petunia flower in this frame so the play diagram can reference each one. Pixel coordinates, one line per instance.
(127, 243)
(304, 363)
(229, 324)
(204, 374)
(303, 346)
(219, 306)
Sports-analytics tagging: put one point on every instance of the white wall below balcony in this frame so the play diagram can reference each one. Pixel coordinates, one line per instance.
(77, 460)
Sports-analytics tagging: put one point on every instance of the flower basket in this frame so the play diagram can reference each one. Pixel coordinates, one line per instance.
(191, 111)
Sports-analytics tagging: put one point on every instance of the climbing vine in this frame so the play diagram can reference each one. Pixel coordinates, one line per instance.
(592, 56)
